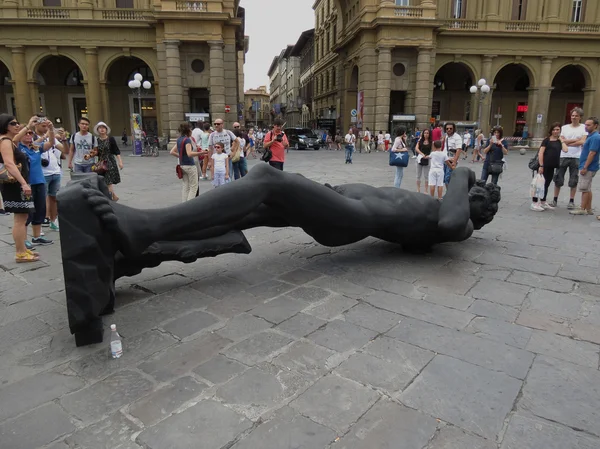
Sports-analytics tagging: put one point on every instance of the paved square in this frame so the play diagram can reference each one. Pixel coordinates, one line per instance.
(485, 344)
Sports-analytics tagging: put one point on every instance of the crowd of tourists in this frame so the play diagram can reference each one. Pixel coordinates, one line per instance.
(31, 158)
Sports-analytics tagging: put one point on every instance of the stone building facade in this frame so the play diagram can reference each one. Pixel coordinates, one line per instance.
(284, 79)
(76, 57)
(304, 51)
(420, 57)
(257, 108)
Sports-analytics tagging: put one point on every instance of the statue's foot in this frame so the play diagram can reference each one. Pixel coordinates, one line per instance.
(103, 209)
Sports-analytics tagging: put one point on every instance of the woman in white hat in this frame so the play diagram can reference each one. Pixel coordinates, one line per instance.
(108, 156)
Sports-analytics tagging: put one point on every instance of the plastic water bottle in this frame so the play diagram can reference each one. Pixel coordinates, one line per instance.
(116, 347)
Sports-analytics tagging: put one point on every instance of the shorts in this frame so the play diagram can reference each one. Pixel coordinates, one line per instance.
(52, 184)
(77, 168)
(585, 181)
(219, 179)
(436, 177)
(572, 164)
(423, 171)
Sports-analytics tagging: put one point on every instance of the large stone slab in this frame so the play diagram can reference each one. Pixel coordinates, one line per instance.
(279, 309)
(106, 396)
(444, 298)
(335, 402)
(297, 432)
(36, 428)
(34, 391)
(299, 276)
(160, 404)
(342, 287)
(257, 348)
(451, 437)
(27, 309)
(114, 432)
(342, 336)
(270, 289)
(331, 307)
(219, 369)
(500, 292)
(301, 325)
(461, 345)
(220, 287)
(535, 280)
(481, 307)
(567, 349)
(527, 432)
(558, 304)
(305, 357)
(500, 331)
(184, 357)
(563, 392)
(309, 293)
(421, 310)
(390, 425)
(208, 422)
(22, 330)
(519, 263)
(370, 317)
(241, 326)
(461, 394)
(190, 324)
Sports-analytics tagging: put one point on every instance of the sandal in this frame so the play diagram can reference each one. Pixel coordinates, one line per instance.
(26, 257)
(33, 253)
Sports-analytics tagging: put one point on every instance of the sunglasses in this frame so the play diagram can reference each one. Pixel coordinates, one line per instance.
(217, 124)
(236, 127)
(14, 123)
(29, 133)
(449, 129)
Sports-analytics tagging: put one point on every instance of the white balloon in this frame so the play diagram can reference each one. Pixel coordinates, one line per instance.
(147, 85)
(138, 76)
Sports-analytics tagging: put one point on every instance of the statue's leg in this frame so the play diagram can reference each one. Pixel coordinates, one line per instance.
(299, 201)
(455, 212)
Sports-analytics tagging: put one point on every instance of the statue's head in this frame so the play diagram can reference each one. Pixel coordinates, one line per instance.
(484, 199)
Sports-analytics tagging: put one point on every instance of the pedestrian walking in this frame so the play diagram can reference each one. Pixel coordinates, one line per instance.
(109, 157)
(277, 142)
(380, 141)
(399, 146)
(82, 144)
(495, 151)
(183, 150)
(549, 160)
(223, 136)
(350, 140)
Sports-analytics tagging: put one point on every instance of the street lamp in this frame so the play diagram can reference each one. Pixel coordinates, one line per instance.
(136, 85)
(485, 89)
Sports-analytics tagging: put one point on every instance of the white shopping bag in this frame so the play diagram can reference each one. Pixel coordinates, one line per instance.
(536, 188)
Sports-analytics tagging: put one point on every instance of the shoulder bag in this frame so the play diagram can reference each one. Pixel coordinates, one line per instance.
(178, 169)
(534, 162)
(495, 167)
(399, 159)
(5, 176)
(268, 154)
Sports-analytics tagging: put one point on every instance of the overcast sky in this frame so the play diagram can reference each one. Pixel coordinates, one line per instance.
(269, 35)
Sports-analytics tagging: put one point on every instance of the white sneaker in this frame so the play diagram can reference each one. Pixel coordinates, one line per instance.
(536, 207)
(546, 206)
(414, 157)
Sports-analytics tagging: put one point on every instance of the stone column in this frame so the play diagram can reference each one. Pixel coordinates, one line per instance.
(160, 129)
(384, 88)
(486, 73)
(543, 101)
(174, 87)
(553, 11)
(217, 81)
(231, 83)
(423, 89)
(20, 87)
(34, 94)
(162, 98)
(531, 116)
(588, 102)
(490, 9)
(106, 102)
(93, 95)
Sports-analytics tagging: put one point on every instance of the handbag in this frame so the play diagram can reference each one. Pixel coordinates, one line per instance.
(424, 162)
(5, 176)
(399, 159)
(267, 155)
(100, 167)
(495, 167)
(236, 155)
(178, 169)
(534, 162)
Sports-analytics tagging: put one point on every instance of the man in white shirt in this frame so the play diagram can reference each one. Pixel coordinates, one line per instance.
(350, 140)
(575, 136)
(222, 136)
(453, 144)
(468, 145)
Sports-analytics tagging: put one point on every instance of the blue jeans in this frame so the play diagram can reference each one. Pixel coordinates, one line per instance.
(38, 193)
(52, 184)
(447, 174)
(349, 151)
(485, 175)
(399, 176)
(230, 170)
(240, 168)
(82, 168)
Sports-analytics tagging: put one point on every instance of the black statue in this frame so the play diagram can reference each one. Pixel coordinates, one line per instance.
(102, 240)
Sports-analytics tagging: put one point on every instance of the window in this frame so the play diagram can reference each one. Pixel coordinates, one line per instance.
(519, 10)
(52, 3)
(333, 75)
(334, 33)
(402, 2)
(458, 9)
(124, 3)
(577, 14)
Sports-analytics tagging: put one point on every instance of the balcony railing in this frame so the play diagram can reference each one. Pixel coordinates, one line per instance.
(583, 28)
(191, 6)
(461, 24)
(48, 13)
(518, 25)
(408, 11)
(123, 14)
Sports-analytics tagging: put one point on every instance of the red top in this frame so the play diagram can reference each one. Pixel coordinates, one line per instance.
(436, 134)
(278, 148)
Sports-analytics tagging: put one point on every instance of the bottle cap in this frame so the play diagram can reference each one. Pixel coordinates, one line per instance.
(113, 327)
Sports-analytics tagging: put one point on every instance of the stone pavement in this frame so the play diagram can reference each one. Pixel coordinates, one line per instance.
(490, 343)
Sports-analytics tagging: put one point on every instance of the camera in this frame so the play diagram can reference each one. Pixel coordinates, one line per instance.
(41, 119)
(279, 138)
(45, 162)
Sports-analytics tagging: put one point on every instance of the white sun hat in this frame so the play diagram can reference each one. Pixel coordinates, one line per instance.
(101, 124)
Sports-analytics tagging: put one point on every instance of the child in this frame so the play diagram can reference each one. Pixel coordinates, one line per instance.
(220, 167)
(437, 159)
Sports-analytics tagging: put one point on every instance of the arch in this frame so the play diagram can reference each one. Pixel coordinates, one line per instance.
(440, 63)
(105, 69)
(354, 78)
(525, 65)
(7, 65)
(510, 99)
(583, 68)
(468, 77)
(569, 84)
(41, 59)
(4, 72)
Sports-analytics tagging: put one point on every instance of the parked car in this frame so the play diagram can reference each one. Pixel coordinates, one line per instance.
(302, 139)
